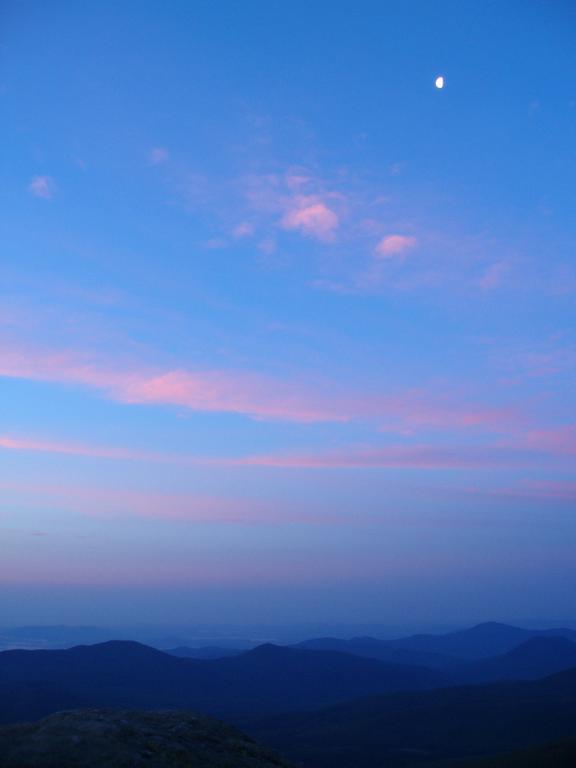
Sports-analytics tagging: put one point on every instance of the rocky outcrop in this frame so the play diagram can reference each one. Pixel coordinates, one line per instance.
(94, 738)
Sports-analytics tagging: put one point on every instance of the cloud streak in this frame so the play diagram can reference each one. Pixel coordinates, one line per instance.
(254, 395)
(390, 457)
(426, 456)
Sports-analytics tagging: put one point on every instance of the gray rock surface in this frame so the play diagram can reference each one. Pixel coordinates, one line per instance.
(92, 738)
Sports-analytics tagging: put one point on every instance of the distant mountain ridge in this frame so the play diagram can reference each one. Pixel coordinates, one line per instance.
(131, 675)
(539, 656)
(372, 648)
(268, 678)
(478, 642)
(481, 641)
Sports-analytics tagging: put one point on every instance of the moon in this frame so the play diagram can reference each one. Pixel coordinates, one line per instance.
(439, 82)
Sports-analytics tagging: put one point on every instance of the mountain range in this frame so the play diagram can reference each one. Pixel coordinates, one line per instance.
(481, 641)
(127, 674)
(322, 704)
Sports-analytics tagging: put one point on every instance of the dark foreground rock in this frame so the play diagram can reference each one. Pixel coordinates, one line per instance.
(95, 738)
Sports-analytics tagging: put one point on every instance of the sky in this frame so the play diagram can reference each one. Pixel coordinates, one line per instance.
(287, 333)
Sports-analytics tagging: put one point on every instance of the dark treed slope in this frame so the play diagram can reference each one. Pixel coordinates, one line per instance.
(413, 728)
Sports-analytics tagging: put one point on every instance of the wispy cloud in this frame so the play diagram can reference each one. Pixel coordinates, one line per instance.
(367, 222)
(42, 187)
(40, 445)
(255, 395)
(390, 457)
(523, 449)
(394, 456)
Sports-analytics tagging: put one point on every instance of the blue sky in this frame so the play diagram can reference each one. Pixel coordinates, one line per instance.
(279, 318)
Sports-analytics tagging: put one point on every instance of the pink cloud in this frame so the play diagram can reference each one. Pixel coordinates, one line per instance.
(256, 395)
(313, 218)
(296, 201)
(42, 187)
(395, 245)
(232, 392)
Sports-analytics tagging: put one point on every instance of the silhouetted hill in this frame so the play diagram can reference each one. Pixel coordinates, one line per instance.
(406, 729)
(129, 675)
(481, 641)
(117, 739)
